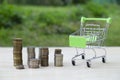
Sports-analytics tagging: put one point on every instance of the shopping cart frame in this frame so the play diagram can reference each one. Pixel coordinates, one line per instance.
(90, 36)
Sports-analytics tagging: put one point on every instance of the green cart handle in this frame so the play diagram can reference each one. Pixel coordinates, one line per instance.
(83, 19)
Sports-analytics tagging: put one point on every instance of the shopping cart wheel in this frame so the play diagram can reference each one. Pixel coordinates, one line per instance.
(88, 64)
(103, 60)
(73, 63)
(83, 57)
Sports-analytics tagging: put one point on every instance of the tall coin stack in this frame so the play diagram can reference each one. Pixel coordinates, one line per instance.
(44, 56)
(58, 58)
(17, 53)
(31, 54)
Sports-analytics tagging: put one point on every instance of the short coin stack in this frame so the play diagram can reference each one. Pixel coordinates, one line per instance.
(34, 63)
(17, 53)
(44, 56)
(58, 58)
(31, 54)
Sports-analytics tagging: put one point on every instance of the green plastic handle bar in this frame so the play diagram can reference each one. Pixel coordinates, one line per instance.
(101, 19)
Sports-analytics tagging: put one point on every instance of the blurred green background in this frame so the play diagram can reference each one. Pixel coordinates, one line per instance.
(50, 22)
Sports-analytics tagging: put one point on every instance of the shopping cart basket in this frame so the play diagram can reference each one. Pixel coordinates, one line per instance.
(91, 35)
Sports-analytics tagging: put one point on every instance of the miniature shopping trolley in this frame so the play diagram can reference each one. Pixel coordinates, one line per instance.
(91, 35)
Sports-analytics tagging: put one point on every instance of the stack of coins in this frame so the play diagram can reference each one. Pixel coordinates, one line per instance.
(44, 56)
(31, 54)
(34, 63)
(17, 53)
(58, 58)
